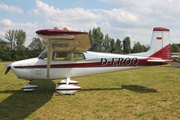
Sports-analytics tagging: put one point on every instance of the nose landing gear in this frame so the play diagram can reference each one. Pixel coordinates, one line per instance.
(29, 87)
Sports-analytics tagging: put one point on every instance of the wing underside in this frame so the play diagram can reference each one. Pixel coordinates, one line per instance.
(64, 40)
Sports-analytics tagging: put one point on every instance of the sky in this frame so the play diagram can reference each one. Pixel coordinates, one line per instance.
(117, 18)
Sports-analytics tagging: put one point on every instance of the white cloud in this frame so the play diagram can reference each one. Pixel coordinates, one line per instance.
(11, 9)
(43, 9)
(74, 18)
(149, 14)
(135, 19)
(150, 11)
(6, 22)
(117, 17)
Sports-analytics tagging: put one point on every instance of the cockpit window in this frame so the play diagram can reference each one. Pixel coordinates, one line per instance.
(62, 56)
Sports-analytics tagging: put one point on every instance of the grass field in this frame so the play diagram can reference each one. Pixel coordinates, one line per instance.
(151, 93)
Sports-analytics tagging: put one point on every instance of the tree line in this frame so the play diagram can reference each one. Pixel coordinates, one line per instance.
(104, 43)
(14, 49)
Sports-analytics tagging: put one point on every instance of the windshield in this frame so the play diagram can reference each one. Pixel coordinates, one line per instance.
(43, 55)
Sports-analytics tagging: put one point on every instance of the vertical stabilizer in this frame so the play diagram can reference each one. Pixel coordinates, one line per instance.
(160, 44)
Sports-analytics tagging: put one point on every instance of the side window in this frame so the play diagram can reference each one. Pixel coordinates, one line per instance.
(78, 56)
(60, 56)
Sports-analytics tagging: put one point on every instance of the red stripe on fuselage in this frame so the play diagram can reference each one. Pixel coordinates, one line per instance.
(141, 62)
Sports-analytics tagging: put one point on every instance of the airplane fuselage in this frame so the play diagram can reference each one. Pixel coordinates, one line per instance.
(93, 63)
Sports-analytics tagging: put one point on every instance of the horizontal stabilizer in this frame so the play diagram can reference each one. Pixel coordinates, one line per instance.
(159, 60)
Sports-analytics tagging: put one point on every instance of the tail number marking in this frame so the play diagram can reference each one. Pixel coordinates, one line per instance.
(119, 62)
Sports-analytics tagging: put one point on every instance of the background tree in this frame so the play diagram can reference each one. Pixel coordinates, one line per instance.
(146, 47)
(96, 39)
(106, 43)
(20, 38)
(175, 47)
(10, 36)
(118, 46)
(16, 40)
(127, 45)
(56, 28)
(34, 48)
(139, 48)
(5, 53)
(64, 28)
(112, 46)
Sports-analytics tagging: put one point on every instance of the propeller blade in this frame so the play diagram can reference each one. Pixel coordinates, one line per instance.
(8, 68)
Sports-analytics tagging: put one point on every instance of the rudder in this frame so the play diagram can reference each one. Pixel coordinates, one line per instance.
(160, 44)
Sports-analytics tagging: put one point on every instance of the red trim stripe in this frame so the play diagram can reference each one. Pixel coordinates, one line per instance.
(142, 62)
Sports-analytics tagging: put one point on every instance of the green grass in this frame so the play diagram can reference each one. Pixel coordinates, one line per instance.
(151, 93)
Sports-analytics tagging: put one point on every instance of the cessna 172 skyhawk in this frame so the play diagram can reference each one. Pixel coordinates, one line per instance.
(53, 63)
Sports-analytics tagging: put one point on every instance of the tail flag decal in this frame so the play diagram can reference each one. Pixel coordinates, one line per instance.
(159, 38)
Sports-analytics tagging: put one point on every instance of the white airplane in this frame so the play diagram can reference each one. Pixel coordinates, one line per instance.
(66, 56)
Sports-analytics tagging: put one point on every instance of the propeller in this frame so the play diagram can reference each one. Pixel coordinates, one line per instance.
(8, 66)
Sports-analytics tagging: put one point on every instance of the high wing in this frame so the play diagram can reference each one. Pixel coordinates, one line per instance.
(63, 41)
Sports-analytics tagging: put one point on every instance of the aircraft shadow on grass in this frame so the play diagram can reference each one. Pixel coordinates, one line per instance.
(21, 104)
(135, 88)
(139, 89)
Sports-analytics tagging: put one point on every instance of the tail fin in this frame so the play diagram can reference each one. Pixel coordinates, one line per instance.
(160, 44)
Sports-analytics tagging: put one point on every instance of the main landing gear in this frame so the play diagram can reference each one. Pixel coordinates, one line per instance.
(65, 87)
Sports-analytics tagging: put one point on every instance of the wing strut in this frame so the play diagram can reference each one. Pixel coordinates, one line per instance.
(71, 56)
(48, 60)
